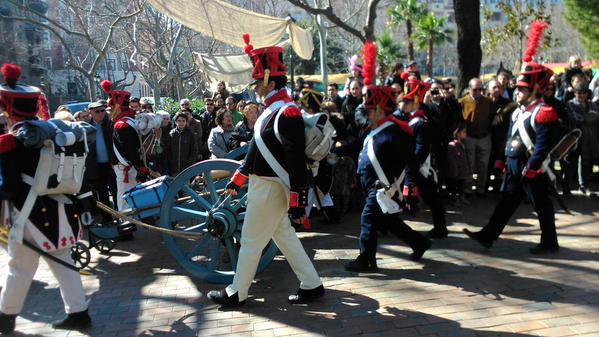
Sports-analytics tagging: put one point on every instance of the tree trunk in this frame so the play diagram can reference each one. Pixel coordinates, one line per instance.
(91, 87)
(467, 17)
(410, 43)
(156, 91)
(429, 59)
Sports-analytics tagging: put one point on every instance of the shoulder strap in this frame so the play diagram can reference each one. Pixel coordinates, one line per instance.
(369, 142)
(526, 139)
(270, 159)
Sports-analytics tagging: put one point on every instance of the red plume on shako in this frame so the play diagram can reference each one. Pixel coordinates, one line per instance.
(19, 101)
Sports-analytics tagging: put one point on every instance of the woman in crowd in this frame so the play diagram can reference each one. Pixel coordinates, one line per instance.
(220, 136)
(244, 130)
(219, 102)
(240, 105)
(221, 90)
(180, 147)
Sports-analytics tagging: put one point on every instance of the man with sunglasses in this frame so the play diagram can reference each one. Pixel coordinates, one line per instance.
(194, 125)
(208, 123)
(98, 165)
(478, 117)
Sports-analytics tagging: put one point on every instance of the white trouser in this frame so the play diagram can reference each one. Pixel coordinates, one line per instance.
(266, 217)
(122, 186)
(326, 201)
(22, 264)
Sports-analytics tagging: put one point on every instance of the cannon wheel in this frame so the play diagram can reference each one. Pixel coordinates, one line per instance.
(193, 203)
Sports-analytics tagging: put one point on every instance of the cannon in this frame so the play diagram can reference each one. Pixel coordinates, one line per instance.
(201, 225)
(194, 203)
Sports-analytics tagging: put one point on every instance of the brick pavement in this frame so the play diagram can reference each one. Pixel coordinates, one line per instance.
(458, 289)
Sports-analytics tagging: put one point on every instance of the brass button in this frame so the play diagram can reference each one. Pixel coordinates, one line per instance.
(46, 224)
(43, 209)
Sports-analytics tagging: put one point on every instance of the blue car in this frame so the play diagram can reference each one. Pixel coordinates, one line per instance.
(78, 106)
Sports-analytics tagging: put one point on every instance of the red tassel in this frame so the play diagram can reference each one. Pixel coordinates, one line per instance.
(11, 73)
(369, 67)
(248, 47)
(535, 33)
(106, 85)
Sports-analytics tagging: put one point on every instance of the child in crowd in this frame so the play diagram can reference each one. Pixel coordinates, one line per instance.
(459, 170)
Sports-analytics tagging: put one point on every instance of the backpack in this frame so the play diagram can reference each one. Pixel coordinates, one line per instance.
(319, 134)
(61, 164)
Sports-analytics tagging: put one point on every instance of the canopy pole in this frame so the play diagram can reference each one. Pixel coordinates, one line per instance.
(323, 49)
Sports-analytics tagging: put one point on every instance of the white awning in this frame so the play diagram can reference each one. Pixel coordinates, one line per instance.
(227, 23)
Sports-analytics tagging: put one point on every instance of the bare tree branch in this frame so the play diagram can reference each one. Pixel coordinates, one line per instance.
(331, 16)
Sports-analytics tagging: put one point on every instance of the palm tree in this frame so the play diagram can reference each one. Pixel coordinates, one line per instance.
(431, 31)
(389, 50)
(409, 11)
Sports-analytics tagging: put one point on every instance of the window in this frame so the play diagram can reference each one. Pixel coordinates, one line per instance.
(47, 42)
(111, 64)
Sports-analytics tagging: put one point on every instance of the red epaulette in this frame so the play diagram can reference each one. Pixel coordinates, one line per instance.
(8, 141)
(403, 125)
(121, 124)
(292, 112)
(546, 115)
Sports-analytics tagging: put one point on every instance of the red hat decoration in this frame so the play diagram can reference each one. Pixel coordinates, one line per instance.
(116, 97)
(533, 75)
(268, 58)
(19, 101)
(415, 90)
(376, 96)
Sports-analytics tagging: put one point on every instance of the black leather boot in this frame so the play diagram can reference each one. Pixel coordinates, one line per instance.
(419, 251)
(361, 264)
(74, 321)
(306, 295)
(7, 323)
(226, 301)
(477, 236)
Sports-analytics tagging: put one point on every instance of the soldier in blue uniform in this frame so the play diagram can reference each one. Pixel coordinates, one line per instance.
(276, 167)
(527, 171)
(422, 181)
(388, 152)
(38, 225)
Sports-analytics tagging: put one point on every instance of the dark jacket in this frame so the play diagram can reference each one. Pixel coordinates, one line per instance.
(502, 110)
(91, 163)
(181, 150)
(208, 123)
(458, 165)
(241, 134)
(289, 152)
(586, 118)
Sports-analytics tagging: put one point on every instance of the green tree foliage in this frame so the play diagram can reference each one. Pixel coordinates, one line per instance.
(584, 16)
(408, 11)
(513, 31)
(431, 31)
(336, 56)
(389, 51)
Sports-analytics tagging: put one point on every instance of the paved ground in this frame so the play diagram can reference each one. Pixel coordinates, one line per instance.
(458, 289)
